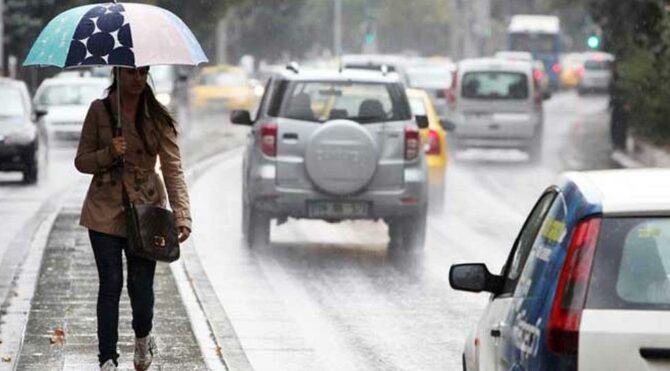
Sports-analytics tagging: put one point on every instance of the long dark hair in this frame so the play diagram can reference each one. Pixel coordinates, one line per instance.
(157, 111)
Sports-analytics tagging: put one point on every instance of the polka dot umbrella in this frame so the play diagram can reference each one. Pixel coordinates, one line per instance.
(114, 34)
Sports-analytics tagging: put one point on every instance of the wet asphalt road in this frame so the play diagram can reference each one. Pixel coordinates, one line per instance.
(328, 297)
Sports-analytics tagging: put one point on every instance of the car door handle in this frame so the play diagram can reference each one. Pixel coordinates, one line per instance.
(290, 136)
(655, 353)
(496, 332)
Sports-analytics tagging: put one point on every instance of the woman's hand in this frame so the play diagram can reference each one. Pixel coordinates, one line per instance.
(118, 146)
(184, 233)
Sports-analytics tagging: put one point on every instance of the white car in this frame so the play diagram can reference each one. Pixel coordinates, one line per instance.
(597, 73)
(66, 100)
(497, 104)
(586, 285)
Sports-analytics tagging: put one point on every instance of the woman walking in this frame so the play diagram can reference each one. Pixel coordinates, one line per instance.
(128, 160)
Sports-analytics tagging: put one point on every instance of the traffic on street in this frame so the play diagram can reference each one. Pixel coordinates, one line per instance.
(346, 184)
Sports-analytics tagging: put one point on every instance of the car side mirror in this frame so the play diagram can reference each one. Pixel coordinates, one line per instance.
(39, 113)
(447, 124)
(241, 117)
(474, 278)
(421, 121)
(546, 95)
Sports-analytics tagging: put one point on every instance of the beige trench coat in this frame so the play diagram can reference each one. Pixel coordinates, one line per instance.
(103, 210)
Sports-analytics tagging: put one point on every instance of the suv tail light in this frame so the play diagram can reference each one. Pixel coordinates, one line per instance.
(573, 283)
(433, 143)
(269, 139)
(412, 143)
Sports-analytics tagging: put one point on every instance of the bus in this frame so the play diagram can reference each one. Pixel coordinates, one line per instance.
(539, 35)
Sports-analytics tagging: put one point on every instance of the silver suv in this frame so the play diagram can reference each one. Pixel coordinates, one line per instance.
(334, 145)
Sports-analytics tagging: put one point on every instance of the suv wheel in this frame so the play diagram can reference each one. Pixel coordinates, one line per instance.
(256, 225)
(408, 232)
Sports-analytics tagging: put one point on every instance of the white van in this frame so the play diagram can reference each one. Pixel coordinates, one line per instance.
(497, 104)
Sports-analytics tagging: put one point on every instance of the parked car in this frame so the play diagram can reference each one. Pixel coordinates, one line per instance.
(335, 145)
(434, 139)
(223, 88)
(67, 100)
(496, 104)
(597, 73)
(585, 286)
(23, 143)
(435, 79)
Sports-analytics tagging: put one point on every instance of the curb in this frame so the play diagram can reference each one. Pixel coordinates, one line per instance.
(228, 347)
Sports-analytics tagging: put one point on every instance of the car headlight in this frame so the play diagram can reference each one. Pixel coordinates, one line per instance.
(164, 98)
(21, 136)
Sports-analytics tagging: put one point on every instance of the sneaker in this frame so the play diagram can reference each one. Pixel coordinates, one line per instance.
(144, 352)
(108, 366)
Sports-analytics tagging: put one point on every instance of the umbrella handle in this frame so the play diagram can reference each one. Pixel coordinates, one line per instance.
(119, 129)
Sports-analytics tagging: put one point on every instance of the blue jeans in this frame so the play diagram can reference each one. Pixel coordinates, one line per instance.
(107, 250)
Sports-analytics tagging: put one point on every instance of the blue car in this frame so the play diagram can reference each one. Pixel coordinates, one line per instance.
(585, 286)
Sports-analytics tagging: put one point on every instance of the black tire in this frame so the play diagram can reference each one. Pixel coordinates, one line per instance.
(408, 233)
(30, 173)
(257, 231)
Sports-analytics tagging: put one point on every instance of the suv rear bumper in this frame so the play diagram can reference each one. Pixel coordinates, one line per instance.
(265, 195)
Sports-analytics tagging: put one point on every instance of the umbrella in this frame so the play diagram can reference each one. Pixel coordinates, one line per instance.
(116, 34)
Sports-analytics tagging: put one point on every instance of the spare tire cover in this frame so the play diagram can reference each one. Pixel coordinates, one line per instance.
(341, 157)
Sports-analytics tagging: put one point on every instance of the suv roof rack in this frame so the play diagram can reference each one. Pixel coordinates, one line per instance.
(293, 66)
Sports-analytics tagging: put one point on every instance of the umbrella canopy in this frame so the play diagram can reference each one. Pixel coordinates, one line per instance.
(115, 34)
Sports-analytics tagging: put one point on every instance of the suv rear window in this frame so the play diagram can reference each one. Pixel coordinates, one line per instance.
(495, 85)
(320, 101)
(632, 265)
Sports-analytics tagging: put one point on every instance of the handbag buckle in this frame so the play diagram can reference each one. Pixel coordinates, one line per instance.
(159, 241)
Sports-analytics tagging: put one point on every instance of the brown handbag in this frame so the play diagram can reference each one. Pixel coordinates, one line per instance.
(151, 230)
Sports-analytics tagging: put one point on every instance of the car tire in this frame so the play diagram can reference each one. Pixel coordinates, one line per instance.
(30, 173)
(257, 231)
(408, 233)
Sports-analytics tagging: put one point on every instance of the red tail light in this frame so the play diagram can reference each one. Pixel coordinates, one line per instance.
(269, 140)
(556, 68)
(573, 283)
(580, 71)
(433, 143)
(451, 92)
(538, 75)
(412, 143)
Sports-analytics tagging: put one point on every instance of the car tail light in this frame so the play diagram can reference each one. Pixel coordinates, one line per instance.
(451, 92)
(573, 283)
(580, 71)
(269, 140)
(412, 143)
(433, 143)
(537, 75)
(537, 95)
(556, 68)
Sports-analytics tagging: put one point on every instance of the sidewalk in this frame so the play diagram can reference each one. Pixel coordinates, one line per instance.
(60, 333)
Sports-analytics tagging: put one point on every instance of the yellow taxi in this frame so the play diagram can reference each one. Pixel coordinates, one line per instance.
(223, 88)
(434, 138)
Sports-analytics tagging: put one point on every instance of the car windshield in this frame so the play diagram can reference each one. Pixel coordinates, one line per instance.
(322, 101)
(429, 77)
(495, 85)
(13, 104)
(418, 106)
(70, 94)
(594, 65)
(223, 79)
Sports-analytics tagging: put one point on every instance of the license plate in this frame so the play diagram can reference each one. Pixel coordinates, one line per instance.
(338, 209)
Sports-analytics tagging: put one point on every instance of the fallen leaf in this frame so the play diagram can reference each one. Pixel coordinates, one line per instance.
(58, 337)
(6, 359)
